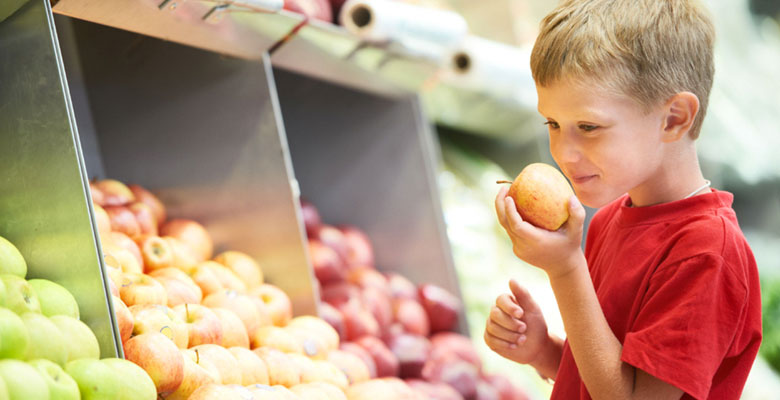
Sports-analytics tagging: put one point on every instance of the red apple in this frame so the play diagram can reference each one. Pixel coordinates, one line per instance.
(411, 316)
(244, 266)
(451, 343)
(378, 302)
(331, 237)
(412, 352)
(240, 304)
(400, 287)
(159, 318)
(115, 193)
(124, 241)
(184, 258)
(387, 363)
(328, 266)
(382, 389)
(123, 220)
(193, 234)
(223, 360)
(358, 321)
(179, 290)
(203, 325)
(124, 319)
(145, 217)
(434, 390)
(333, 317)
(159, 357)
(359, 249)
(253, 369)
(358, 351)
(461, 375)
(485, 391)
(141, 289)
(368, 277)
(275, 303)
(311, 217)
(233, 330)
(442, 307)
(338, 293)
(506, 389)
(144, 196)
(195, 375)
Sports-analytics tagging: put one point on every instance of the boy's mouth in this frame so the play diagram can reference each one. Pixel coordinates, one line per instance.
(580, 179)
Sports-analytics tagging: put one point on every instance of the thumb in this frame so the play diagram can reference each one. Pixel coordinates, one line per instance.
(576, 215)
(523, 297)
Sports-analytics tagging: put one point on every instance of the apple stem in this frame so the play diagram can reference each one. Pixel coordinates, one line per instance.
(197, 357)
(187, 311)
(503, 181)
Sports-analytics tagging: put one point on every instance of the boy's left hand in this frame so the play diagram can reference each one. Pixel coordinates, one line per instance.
(554, 252)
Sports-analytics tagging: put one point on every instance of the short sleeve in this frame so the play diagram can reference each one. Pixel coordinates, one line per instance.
(686, 323)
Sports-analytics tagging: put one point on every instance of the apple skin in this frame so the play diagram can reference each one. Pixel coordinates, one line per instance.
(368, 277)
(115, 193)
(339, 293)
(80, 340)
(159, 318)
(275, 338)
(326, 262)
(138, 288)
(23, 381)
(54, 298)
(333, 317)
(223, 360)
(318, 390)
(124, 318)
(194, 376)
(156, 253)
(506, 389)
(11, 260)
(451, 343)
(378, 302)
(274, 301)
(360, 251)
(123, 220)
(61, 385)
(253, 369)
(179, 287)
(192, 234)
(159, 357)
(14, 339)
(401, 287)
(358, 351)
(331, 237)
(240, 304)
(184, 258)
(441, 306)
(144, 196)
(19, 295)
(123, 241)
(313, 330)
(213, 277)
(311, 217)
(95, 379)
(353, 366)
(411, 315)
(485, 391)
(387, 363)
(412, 352)
(434, 390)
(244, 266)
(134, 382)
(541, 195)
(145, 218)
(390, 388)
(203, 325)
(98, 197)
(102, 221)
(358, 321)
(281, 369)
(46, 341)
(213, 391)
(461, 375)
(234, 332)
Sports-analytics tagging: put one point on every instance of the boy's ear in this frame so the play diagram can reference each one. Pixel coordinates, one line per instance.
(681, 111)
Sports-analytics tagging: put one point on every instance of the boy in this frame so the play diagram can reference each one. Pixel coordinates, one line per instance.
(665, 301)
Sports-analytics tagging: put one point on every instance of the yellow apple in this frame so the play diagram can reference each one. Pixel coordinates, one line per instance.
(541, 194)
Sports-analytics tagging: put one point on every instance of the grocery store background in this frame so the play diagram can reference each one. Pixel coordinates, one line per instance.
(738, 149)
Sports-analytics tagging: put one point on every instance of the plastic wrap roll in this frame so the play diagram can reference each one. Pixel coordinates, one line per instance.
(427, 30)
(259, 5)
(496, 67)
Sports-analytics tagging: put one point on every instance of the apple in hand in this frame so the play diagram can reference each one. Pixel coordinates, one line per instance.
(14, 339)
(441, 306)
(95, 379)
(541, 195)
(159, 357)
(79, 339)
(61, 385)
(141, 289)
(115, 193)
(159, 318)
(54, 298)
(203, 325)
(124, 318)
(244, 266)
(274, 302)
(233, 330)
(144, 196)
(194, 376)
(23, 381)
(134, 382)
(11, 260)
(46, 341)
(19, 295)
(253, 369)
(192, 234)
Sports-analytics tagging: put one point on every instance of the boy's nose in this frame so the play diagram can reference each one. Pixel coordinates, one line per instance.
(564, 151)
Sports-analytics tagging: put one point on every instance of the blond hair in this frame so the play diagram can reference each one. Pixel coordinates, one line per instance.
(648, 50)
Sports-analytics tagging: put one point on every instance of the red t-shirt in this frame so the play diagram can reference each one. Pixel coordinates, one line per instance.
(679, 287)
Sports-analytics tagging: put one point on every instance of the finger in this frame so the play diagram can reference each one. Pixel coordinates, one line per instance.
(500, 208)
(576, 217)
(509, 306)
(514, 222)
(503, 319)
(523, 297)
(505, 334)
(497, 344)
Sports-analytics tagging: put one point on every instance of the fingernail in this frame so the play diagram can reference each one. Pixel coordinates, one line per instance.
(521, 339)
(518, 315)
(512, 346)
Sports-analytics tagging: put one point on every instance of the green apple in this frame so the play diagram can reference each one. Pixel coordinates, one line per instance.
(13, 335)
(54, 298)
(19, 295)
(61, 385)
(11, 260)
(23, 381)
(79, 339)
(2, 297)
(96, 380)
(3, 390)
(45, 339)
(135, 383)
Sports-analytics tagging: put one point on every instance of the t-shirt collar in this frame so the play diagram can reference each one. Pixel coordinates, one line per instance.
(672, 210)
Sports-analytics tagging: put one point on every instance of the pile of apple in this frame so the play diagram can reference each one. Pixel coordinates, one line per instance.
(397, 328)
(46, 352)
(204, 326)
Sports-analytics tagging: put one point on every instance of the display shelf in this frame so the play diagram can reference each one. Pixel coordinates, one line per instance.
(316, 49)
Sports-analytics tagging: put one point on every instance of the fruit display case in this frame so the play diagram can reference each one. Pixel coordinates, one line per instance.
(230, 142)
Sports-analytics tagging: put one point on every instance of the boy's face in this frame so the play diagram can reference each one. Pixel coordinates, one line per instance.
(605, 143)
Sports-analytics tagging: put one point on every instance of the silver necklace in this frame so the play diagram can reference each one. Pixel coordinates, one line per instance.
(706, 184)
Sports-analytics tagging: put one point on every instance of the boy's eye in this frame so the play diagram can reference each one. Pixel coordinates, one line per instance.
(588, 128)
(552, 124)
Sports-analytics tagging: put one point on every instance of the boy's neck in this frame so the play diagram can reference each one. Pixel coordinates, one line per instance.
(678, 176)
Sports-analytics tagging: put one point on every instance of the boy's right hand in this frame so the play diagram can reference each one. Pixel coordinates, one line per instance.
(516, 328)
